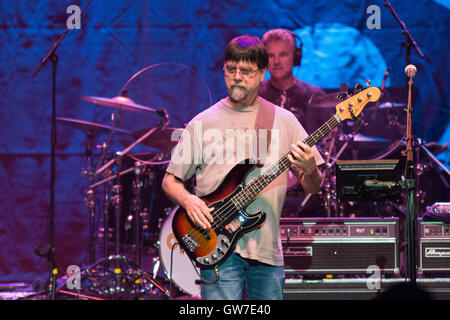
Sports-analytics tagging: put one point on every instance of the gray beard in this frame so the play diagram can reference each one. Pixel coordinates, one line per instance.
(237, 93)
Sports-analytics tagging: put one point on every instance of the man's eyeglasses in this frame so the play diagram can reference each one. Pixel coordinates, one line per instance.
(231, 71)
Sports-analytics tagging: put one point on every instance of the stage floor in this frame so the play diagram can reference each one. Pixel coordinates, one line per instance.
(295, 289)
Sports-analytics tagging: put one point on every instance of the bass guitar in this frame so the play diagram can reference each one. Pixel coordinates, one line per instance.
(210, 247)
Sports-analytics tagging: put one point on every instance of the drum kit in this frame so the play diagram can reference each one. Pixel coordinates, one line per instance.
(136, 213)
(377, 134)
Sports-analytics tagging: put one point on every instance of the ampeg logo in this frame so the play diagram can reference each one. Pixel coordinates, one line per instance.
(437, 252)
(298, 251)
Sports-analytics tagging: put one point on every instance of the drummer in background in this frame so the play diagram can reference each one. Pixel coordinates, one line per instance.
(282, 88)
(285, 90)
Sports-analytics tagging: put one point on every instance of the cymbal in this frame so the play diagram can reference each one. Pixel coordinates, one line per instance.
(327, 100)
(160, 139)
(437, 148)
(90, 127)
(387, 105)
(118, 102)
(362, 138)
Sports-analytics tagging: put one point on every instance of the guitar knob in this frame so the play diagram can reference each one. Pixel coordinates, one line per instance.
(359, 87)
(225, 243)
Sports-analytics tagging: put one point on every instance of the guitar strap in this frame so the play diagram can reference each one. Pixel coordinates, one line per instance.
(264, 123)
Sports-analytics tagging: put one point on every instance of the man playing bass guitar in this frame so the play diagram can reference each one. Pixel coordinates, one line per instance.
(230, 228)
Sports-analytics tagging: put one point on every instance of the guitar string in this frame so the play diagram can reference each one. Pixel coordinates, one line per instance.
(231, 207)
(277, 164)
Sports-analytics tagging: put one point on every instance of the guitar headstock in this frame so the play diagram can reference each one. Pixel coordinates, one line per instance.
(352, 107)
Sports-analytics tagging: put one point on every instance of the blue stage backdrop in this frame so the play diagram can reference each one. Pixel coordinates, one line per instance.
(178, 46)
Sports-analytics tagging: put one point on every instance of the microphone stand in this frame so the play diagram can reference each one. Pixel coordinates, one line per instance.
(90, 198)
(410, 42)
(49, 252)
(409, 185)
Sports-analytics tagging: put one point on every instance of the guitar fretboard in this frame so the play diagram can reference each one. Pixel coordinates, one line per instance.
(251, 191)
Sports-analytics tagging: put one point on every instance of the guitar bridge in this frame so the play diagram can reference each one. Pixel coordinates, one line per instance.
(190, 243)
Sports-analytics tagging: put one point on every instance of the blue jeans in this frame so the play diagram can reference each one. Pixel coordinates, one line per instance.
(260, 281)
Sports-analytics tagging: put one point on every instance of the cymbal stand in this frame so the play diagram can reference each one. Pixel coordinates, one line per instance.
(326, 181)
(106, 207)
(137, 208)
(419, 170)
(135, 280)
(420, 195)
(330, 191)
(421, 144)
(117, 202)
(89, 200)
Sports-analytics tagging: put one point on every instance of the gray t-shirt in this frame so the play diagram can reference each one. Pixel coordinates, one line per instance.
(220, 137)
(296, 99)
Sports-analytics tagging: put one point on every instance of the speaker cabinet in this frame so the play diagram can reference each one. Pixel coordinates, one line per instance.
(340, 245)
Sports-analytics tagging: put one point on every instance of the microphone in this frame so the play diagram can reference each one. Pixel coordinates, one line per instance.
(410, 70)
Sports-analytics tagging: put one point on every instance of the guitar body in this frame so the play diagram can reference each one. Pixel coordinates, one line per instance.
(209, 247)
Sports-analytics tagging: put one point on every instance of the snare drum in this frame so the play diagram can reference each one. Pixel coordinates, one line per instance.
(183, 274)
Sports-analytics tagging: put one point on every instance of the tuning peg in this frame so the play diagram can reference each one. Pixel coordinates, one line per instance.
(368, 82)
(350, 91)
(341, 96)
(359, 87)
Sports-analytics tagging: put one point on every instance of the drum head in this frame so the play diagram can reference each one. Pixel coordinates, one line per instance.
(176, 263)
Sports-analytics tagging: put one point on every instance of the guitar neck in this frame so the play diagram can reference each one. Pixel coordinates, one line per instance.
(251, 191)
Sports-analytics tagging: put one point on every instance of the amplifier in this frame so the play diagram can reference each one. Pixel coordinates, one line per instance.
(434, 246)
(339, 245)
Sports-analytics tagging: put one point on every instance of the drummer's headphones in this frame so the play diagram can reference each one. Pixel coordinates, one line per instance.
(298, 50)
